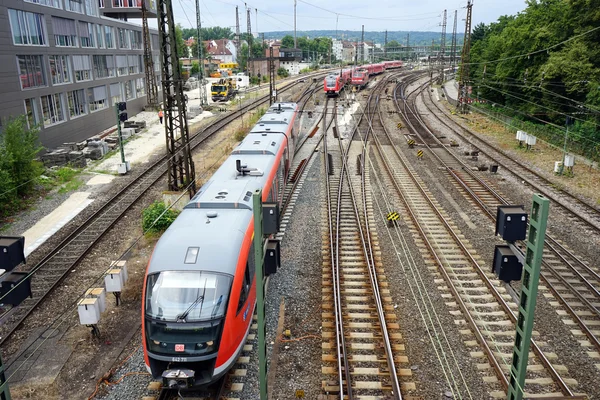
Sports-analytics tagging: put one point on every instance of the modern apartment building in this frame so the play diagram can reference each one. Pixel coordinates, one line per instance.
(65, 64)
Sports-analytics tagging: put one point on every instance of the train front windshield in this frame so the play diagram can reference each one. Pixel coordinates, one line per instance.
(330, 81)
(185, 312)
(221, 88)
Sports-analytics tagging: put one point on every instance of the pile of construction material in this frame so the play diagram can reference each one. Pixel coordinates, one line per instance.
(76, 154)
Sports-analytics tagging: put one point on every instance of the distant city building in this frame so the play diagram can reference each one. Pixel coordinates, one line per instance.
(65, 66)
(223, 49)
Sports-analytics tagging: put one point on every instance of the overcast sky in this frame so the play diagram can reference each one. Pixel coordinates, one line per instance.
(378, 15)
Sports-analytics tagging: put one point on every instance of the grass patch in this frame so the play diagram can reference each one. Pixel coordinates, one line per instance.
(70, 186)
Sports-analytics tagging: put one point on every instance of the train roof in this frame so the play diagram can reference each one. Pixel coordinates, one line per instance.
(217, 217)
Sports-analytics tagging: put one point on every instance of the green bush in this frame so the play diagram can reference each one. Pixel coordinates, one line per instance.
(156, 218)
(282, 72)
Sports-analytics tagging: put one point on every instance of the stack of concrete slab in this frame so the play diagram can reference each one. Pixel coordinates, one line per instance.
(62, 157)
(126, 133)
(194, 111)
(96, 149)
(137, 125)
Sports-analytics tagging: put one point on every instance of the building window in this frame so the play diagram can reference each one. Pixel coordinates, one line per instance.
(129, 90)
(65, 33)
(122, 65)
(82, 68)
(154, 42)
(127, 3)
(77, 106)
(49, 3)
(123, 38)
(104, 66)
(136, 40)
(86, 34)
(140, 87)
(100, 36)
(156, 63)
(74, 5)
(109, 36)
(91, 8)
(97, 98)
(115, 93)
(52, 109)
(27, 28)
(59, 69)
(134, 67)
(31, 71)
(31, 111)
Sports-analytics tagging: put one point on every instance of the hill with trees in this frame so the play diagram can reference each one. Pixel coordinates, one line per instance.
(542, 66)
(416, 38)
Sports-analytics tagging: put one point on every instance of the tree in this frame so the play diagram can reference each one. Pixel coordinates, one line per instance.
(18, 152)
(181, 47)
(478, 33)
(392, 43)
(287, 42)
(195, 67)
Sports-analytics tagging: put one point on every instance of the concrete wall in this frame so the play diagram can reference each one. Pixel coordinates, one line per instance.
(13, 97)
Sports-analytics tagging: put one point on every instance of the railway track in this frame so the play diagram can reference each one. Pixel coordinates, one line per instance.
(475, 290)
(570, 279)
(362, 344)
(57, 263)
(582, 213)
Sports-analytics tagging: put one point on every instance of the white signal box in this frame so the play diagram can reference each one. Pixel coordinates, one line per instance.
(100, 294)
(121, 264)
(521, 135)
(113, 280)
(569, 160)
(530, 140)
(89, 311)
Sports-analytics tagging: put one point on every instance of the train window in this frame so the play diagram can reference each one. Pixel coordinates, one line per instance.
(251, 263)
(187, 295)
(245, 289)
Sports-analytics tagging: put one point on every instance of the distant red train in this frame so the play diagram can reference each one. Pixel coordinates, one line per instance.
(335, 83)
(358, 77)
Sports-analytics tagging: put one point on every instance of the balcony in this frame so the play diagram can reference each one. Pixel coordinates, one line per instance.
(125, 9)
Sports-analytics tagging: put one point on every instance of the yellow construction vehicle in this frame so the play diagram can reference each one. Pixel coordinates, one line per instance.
(223, 90)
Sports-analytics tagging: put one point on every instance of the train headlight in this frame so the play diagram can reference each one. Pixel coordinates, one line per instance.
(156, 342)
(163, 344)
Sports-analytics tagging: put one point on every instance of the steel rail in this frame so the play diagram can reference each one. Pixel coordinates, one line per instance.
(552, 244)
(538, 352)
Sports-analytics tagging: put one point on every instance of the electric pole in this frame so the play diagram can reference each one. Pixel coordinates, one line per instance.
(201, 85)
(408, 45)
(151, 89)
(443, 42)
(248, 23)
(237, 35)
(295, 40)
(453, 50)
(385, 46)
(463, 104)
(272, 87)
(181, 173)
(362, 51)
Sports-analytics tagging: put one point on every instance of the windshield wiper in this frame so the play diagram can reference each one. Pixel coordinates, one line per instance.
(199, 300)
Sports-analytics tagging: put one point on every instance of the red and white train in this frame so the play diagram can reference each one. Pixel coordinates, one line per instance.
(359, 76)
(335, 82)
(199, 289)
